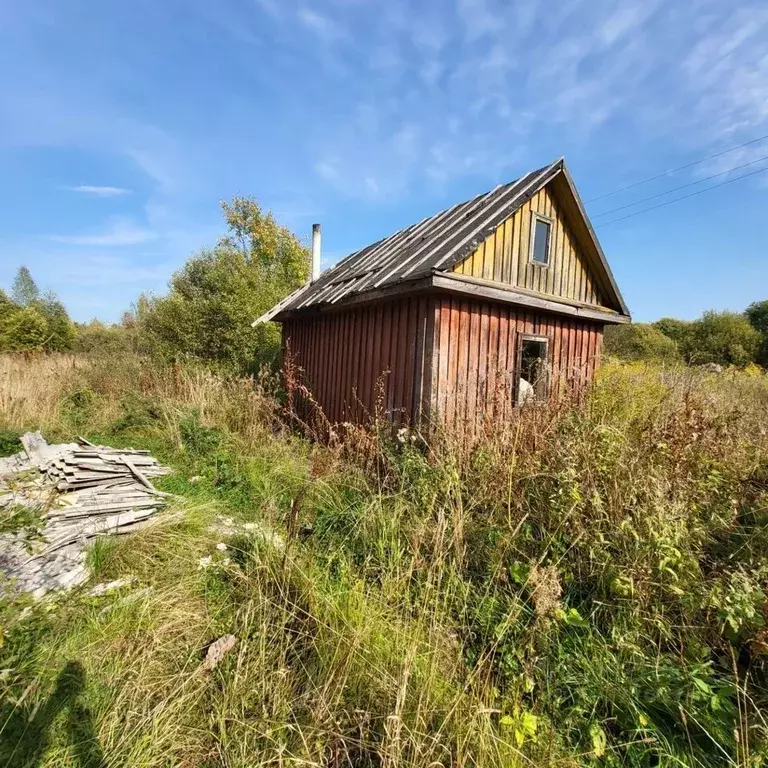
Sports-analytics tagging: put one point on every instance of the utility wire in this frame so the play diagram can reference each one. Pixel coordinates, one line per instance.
(682, 186)
(683, 197)
(679, 168)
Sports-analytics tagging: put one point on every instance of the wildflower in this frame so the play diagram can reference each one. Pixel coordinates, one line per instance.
(204, 562)
(221, 546)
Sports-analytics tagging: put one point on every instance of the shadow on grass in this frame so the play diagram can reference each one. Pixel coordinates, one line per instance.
(25, 735)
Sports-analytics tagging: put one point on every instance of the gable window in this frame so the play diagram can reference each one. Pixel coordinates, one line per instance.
(541, 232)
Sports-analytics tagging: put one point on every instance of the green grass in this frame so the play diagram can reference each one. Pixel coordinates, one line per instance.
(9, 442)
(583, 587)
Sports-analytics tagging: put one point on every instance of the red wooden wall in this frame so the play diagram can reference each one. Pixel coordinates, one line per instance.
(476, 346)
(430, 357)
(348, 358)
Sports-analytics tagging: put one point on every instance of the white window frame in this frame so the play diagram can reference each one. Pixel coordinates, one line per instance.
(534, 218)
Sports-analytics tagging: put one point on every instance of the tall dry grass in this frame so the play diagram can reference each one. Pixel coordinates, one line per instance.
(32, 387)
(583, 585)
(51, 391)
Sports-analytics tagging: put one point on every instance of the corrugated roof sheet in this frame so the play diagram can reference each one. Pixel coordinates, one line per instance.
(432, 245)
(435, 243)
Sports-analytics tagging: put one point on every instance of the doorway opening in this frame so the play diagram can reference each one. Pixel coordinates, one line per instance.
(533, 373)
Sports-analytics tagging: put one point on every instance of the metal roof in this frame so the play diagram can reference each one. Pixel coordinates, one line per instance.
(434, 244)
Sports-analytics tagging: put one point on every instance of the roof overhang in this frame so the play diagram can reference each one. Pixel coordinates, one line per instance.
(471, 288)
(604, 271)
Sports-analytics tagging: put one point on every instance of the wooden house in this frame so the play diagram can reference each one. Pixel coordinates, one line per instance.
(496, 301)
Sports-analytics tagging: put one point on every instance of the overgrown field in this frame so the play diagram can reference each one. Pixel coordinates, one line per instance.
(584, 586)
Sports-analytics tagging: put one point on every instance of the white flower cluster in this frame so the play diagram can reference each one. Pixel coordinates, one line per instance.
(404, 435)
(207, 561)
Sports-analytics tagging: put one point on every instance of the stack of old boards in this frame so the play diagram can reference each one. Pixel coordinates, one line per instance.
(81, 491)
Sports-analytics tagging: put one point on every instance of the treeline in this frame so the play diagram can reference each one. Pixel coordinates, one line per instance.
(33, 321)
(211, 301)
(206, 314)
(724, 338)
(36, 321)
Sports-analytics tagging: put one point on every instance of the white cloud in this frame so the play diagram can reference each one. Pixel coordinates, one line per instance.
(727, 71)
(625, 19)
(99, 191)
(477, 17)
(327, 170)
(323, 26)
(120, 232)
(270, 7)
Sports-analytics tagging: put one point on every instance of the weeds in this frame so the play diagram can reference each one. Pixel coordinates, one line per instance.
(584, 585)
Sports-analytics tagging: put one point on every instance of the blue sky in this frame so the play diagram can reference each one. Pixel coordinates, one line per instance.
(122, 126)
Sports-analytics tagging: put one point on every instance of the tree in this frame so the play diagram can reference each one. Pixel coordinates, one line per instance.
(216, 295)
(23, 330)
(20, 318)
(757, 314)
(677, 330)
(5, 302)
(60, 330)
(639, 341)
(24, 290)
(726, 338)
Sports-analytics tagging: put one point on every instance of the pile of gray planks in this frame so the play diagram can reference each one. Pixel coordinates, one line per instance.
(92, 466)
(82, 491)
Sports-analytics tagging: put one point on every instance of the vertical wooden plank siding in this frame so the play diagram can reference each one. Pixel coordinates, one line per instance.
(438, 357)
(504, 255)
(484, 342)
(344, 356)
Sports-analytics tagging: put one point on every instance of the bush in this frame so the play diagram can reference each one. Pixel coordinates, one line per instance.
(23, 329)
(726, 338)
(639, 341)
(757, 314)
(677, 330)
(100, 340)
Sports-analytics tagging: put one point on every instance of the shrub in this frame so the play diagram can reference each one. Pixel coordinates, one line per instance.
(726, 338)
(677, 330)
(23, 329)
(639, 341)
(60, 331)
(100, 340)
(757, 314)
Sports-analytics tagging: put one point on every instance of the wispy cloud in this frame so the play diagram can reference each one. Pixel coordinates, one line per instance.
(119, 232)
(327, 169)
(323, 26)
(108, 269)
(100, 191)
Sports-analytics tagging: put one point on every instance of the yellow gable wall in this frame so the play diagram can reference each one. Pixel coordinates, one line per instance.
(503, 257)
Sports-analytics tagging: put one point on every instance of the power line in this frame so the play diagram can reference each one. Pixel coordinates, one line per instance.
(682, 186)
(683, 197)
(679, 168)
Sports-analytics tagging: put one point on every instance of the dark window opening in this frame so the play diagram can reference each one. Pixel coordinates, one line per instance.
(541, 234)
(533, 379)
